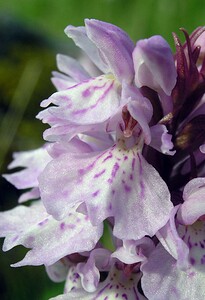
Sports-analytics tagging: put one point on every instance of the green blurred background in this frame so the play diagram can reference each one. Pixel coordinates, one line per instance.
(31, 34)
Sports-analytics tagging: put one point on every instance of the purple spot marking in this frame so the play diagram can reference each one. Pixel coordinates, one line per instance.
(99, 174)
(100, 99)
(141, 181)
(131, 177)
(106, 298)
(191, 274)
(192, 261)
(107, 157)
(56, 274)
(62, 226)
(30, 240)
(113, 192)
(137, 298)
(114, 172)
(125, 157)
(71, 226)
(202, 245)
(203, 260)
(127, 188)
(95, 193)
(125, 296)
(86, 218)
(189, 243)
(81, 172)
(116, 295)
(102, 290)
(86, 93)
(15, 238)
(110, 206)
(76, 275)
(43, 222)
(133, 164)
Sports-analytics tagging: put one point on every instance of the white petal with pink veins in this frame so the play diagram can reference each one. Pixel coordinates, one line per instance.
(48, 239)
(91, 101)
(143, 204)
(116, 182)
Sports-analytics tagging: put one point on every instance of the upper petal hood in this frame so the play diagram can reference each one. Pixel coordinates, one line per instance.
(115, 47)
(79, 36)
(154, 64)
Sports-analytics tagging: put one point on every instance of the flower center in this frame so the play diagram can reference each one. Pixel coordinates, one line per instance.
(129, 122)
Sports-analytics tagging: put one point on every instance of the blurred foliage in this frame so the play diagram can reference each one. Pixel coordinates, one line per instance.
(31, 33)
(139, 18)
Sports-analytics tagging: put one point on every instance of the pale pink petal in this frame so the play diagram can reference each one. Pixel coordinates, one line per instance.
(134, 251)
(59, 270)
(112, 183)
(147, 200)
(79, 36)
(34, 162)
(115, 46)
(163, 280)
(59, 133)
(62, 82)
(48, 239)
(72, 68)
(91, 101)
(141, 110)
(194, 201)
(99, 259)
(75, 145)
(172, 241)
(32, 194)
(154, 64)
(161, 139)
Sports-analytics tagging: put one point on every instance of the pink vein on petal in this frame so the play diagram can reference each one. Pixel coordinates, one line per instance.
(103, 97)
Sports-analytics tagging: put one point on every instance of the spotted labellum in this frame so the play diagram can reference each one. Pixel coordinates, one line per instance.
(117, 192)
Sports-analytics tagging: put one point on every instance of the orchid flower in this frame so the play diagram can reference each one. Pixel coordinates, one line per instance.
(121, 270)
(124, 161)
(182, 263)
(116, 182)
(93, 100)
